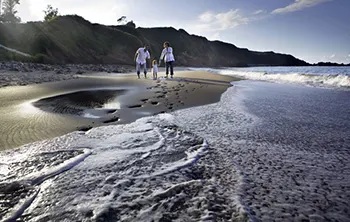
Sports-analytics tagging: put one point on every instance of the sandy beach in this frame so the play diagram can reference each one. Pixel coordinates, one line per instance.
(36, 112)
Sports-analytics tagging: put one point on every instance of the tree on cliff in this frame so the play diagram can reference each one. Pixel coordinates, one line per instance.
(123, 21)
(9, 12)
(131, 24)
(50, 13)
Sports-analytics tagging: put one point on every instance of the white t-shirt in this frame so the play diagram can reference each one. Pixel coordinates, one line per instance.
(168, 55)
(155, 69)
(142, 56)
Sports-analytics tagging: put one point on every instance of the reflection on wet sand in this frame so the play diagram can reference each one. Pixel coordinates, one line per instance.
(78, 102)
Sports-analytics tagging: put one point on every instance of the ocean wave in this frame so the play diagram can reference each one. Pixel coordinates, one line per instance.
(297, 78)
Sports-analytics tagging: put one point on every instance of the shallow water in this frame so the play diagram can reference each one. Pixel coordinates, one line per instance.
(290, 143)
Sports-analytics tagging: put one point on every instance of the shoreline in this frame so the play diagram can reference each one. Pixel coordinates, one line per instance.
(36, 112)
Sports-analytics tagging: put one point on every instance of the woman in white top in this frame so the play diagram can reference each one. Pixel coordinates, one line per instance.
(169, 59)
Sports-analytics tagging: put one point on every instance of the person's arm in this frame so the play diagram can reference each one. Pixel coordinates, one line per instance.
(136, 54)
(149, 59)
(162, 56)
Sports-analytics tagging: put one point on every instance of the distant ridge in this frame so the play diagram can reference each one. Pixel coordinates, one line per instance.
(330, 64)
(72, 39)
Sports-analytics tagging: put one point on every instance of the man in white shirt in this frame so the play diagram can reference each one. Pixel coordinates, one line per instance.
(140, 57)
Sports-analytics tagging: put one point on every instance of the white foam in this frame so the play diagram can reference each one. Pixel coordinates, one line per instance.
(126, 164)
(19, 209)
(90, 116)
(339, 80)
(192, 156)
(38, 177)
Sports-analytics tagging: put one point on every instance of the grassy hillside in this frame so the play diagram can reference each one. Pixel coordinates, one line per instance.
(71, 39)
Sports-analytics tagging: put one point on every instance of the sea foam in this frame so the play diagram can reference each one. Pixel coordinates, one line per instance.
(323, 80)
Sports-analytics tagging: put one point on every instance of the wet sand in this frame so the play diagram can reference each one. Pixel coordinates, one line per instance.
(37, 112)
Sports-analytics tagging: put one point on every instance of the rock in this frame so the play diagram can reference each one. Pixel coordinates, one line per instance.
(79, 72)
(59, 71)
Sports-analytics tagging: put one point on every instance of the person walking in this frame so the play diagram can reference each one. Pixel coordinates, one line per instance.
(141, 56)
(169, 59)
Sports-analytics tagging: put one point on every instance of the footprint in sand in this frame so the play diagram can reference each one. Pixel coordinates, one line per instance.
(160, 96)
(154, 103)
(135, 106)
(84, 128)
(111, 111)
(114, 119)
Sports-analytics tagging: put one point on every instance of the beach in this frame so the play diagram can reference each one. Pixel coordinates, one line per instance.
(36, 112)
(238, 150)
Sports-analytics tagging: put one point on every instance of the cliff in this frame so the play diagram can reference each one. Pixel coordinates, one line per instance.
(72, 39)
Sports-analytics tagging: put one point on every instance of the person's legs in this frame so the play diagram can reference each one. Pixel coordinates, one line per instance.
(145, 69)
(138, 69)
(171, 68)
(167, 68)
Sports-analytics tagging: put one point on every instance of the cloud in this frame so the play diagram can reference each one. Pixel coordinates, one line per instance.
(332, 56)
(259, 12)
(216, 36)
(206, 17)
(349, 55)
(221, 21)
(298, 5)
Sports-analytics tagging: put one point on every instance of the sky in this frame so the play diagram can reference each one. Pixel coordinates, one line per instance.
(312, 30)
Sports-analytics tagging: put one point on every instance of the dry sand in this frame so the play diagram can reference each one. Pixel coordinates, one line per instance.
(23, 123)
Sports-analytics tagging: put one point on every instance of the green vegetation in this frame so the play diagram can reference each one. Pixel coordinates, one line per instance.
(11, 56)
(50, 13)
(9, 12)
(72, 39)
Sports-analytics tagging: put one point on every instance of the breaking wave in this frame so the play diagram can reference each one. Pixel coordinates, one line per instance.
(293, 76)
